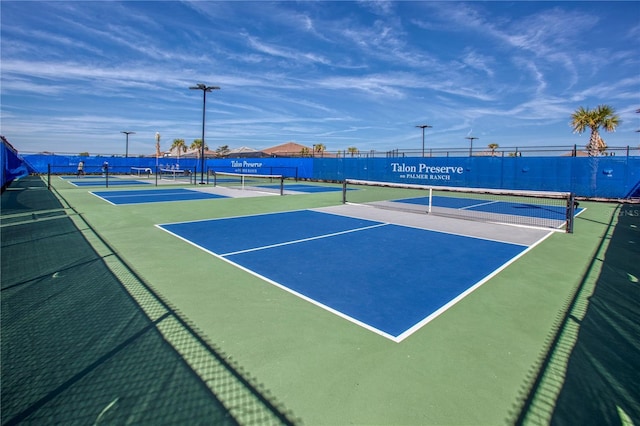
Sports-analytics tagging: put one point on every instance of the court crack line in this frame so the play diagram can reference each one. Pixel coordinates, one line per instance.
(304, 239)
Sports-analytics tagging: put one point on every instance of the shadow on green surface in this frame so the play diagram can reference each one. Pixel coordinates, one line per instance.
(600, 384)
(77, 348)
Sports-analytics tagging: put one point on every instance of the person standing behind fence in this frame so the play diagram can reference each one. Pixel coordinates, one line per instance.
(80, 169)
(105, 167)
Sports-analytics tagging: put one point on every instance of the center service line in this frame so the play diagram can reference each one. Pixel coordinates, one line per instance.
(304, 239)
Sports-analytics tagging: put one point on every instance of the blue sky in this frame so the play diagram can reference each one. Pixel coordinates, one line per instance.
(344, 74)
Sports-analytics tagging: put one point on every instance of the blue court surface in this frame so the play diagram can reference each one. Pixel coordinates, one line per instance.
(153, 196)
(101, 181)
(304, 188)
(388, 278)
(542, 211)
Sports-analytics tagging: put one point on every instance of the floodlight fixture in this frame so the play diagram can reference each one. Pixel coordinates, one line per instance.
(423, 126)
(126, 152)
(205, 89)
(471, 139)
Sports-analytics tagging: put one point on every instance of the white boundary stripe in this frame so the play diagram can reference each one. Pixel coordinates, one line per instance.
(102, 198)
(230, 217)
(478, 205)
(318, 237)
(468, 291)
(400, 337)
(285, 288)
(160, 193)
(214, 197)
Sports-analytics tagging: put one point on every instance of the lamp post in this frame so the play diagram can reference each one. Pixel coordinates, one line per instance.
(126, 152)
(471, 138)
(423, 126)
(204, 89)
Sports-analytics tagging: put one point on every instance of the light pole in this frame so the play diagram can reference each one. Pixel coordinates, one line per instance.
(204, 89)
(471, 138)
(126, 152)
(423, 126)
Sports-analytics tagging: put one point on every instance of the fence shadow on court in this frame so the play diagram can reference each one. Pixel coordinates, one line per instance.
(591, 372)
(82, 345)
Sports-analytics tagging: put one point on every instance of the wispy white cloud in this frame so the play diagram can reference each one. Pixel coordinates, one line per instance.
(357, 73)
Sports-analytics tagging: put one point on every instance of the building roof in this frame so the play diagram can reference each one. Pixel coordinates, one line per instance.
(242, 150)
(289, 148)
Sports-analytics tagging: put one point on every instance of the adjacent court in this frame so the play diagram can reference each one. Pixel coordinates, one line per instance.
(102, 181)
(153, 196)
(387, 277)
(136, 196)
(515, 208)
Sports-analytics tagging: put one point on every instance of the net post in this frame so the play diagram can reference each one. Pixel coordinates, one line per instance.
(571, 210)
(344, 191)
(157, 175)
(430, 199)
(282, 185)
(49, 176)
(215, 178)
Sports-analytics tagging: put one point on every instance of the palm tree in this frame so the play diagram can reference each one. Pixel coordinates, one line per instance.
(223, 150)
(352, 150)
(319, 148)
(304, 152)
(493, 147)
(197, 146)
(602, 116)
(180, 146)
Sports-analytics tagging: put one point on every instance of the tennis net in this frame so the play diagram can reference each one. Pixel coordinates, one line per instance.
(176, 174)
(539, 209)
(251, 182)
(141, 172)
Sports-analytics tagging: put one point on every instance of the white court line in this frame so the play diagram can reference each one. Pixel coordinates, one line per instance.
(304, 239)
(465, 293)
(404, 335)
(102, 198)
(478, 205)
(285, 288)
(151, 195)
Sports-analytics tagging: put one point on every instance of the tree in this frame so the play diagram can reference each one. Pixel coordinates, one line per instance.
(352, 150)
(223, 150)
(197, 146)
(602, 116)
(179, 146)
(493, 147)
(304, 152)
(319, 148)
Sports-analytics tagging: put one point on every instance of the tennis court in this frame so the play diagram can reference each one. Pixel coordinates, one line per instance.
(154, 196)
(271, 183)
(334, 313)
(431, 269)
(102, 181)
(310, 188)
(515, 208)
(540, 209)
